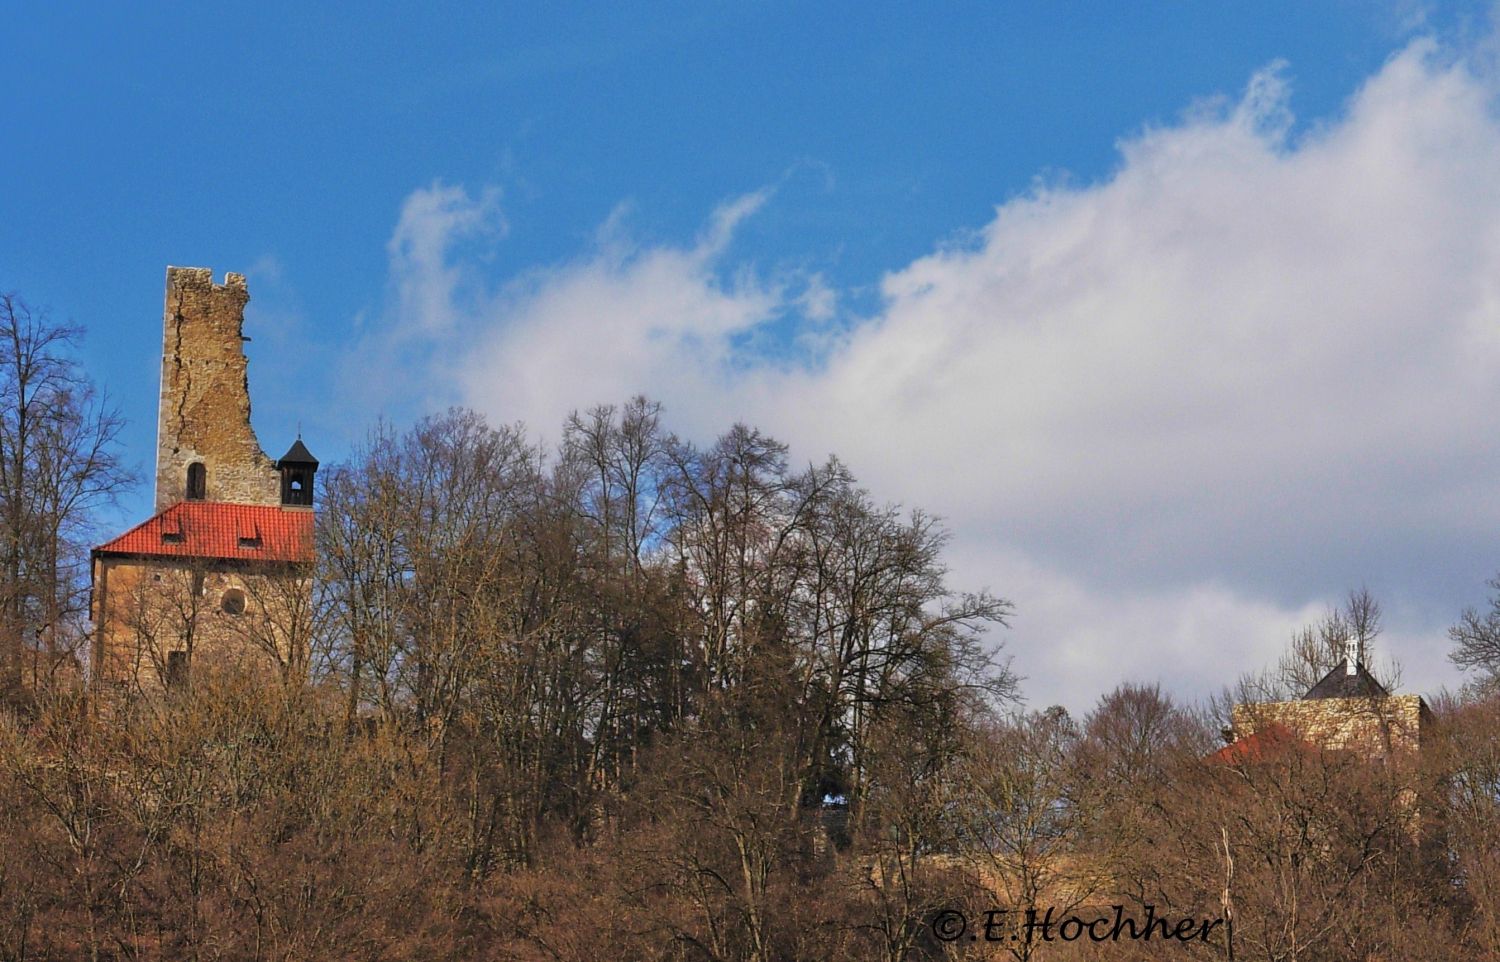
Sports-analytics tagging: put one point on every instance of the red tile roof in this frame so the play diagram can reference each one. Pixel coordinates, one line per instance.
(212, 529)
(1269, 742)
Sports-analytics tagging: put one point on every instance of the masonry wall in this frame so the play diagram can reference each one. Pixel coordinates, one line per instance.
(1381, 727)
(205, 394)
(145, 609)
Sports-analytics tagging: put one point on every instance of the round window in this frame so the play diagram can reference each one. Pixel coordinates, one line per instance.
(234, 602)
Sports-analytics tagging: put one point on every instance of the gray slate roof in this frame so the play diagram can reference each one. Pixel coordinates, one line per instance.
(298, 454)
(1340, 684)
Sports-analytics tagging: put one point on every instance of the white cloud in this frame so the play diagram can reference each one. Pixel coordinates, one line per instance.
(1228, 342)
(1171, 414)
(1073, 641)
(622, 320)
(429, 282)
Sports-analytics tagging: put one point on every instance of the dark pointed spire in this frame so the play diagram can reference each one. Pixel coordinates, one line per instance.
(297, 454)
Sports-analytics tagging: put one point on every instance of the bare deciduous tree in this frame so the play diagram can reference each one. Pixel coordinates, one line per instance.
(1476, 642)
(1315, 650)
(57, 464)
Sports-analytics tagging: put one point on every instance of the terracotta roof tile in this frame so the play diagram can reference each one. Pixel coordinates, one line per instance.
(212, 529)
(1270, 741)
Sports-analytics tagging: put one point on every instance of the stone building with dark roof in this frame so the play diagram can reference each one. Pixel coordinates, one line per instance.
(1346, 710)
(221, 573)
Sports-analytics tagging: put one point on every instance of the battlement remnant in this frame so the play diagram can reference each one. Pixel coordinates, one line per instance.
(206, 448)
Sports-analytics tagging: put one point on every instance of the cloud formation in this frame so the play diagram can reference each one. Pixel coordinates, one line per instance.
(430, 283)
(1171, 414)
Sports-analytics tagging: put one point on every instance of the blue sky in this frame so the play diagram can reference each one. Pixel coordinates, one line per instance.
(1179, 313)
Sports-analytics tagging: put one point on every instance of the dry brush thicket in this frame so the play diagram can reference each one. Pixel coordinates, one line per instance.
(640, 699)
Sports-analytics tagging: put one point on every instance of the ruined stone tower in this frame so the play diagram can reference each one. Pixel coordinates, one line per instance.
(220, 574)
(205, 396)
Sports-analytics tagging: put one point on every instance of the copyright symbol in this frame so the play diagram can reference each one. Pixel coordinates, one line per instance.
(949, 924)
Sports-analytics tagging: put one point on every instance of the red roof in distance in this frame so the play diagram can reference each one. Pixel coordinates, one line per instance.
(213, 529)
(1271, 741)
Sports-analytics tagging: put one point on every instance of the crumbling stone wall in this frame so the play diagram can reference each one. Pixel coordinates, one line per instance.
(205, 394)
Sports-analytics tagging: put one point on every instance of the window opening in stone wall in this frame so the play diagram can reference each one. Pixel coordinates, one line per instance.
(197, 481)
(234, 602)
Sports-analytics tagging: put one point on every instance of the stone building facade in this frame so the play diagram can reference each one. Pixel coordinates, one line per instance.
(220, 575)
(1380, 727)
(1347, 710)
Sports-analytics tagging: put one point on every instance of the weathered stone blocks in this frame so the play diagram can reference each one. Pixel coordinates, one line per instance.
(205, 394)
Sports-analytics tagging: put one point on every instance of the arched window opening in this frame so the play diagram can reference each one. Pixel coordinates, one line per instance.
(234, 602)
(197, 481)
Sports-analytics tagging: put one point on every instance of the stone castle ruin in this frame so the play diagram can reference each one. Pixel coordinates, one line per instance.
(220, 574)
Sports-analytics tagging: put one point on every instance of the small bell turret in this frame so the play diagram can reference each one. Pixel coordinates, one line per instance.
(297, 468)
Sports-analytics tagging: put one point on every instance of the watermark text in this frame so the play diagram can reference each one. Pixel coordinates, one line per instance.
(1049, 925)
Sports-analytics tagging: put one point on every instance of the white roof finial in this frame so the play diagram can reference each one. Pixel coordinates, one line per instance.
(1351, 654)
